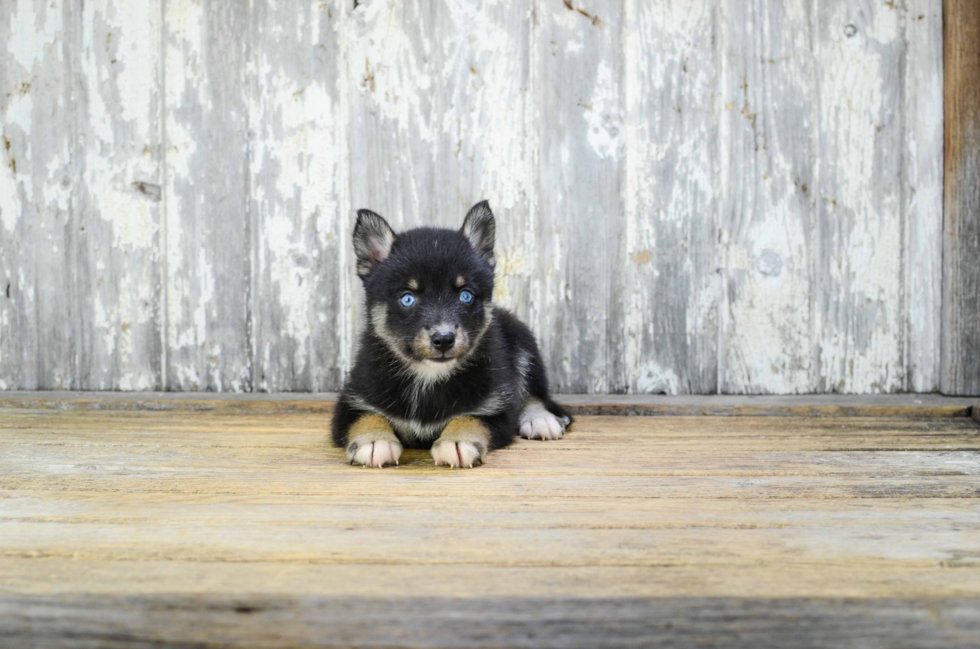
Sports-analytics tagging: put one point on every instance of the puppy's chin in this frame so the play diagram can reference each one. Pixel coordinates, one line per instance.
(434, 370)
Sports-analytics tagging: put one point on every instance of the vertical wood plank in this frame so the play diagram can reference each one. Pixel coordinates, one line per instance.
(38, 336)
(859, 319)
(116, 64)
(440, 120)
(488, 146)
(768, 139)
(961, 235)
(579, 89)
(395, 83)
(299, 196)
(924, 193)
(671, 197)
(206, 226)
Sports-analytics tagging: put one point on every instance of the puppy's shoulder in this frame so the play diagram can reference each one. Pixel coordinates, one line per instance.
(515, 334)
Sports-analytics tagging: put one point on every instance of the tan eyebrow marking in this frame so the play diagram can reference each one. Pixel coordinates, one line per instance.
(412, 284)
(460, 281)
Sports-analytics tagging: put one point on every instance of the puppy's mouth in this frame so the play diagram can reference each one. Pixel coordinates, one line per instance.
(441, 359)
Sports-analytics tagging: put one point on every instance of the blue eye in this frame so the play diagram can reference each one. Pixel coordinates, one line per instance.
(407, 300)
(465, 296)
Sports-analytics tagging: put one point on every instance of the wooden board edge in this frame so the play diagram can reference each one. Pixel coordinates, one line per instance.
(116, 621)
(907, 406)
(751, 410)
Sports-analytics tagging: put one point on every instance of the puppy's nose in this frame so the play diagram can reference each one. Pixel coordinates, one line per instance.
(444, 340)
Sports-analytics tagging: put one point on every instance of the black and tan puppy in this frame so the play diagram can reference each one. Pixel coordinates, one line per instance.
(439, 366)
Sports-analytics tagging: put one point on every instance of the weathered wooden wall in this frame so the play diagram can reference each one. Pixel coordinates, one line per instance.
(693, 196)
(961, 235)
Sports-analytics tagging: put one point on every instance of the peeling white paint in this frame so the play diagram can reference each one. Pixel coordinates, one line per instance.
(16, 189)
(767, 182)
(653, 379)
(399, 78)
(720, 266)
(603, 114)
(31, 31)
(924, 175)
(861, 332)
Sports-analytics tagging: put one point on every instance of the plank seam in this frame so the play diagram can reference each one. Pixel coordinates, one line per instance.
(163, 239)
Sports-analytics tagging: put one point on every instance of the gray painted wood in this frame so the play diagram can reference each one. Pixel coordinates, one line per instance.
(38, 234)
(768, 212)
(961, 236)
(297, 191)
(924, 194)
(671, 270)
(117, 158)
(859, 328)
(692, 197)
(206, 223)
(578, 78)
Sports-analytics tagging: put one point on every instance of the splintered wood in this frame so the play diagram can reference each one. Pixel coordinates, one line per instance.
(252, 526)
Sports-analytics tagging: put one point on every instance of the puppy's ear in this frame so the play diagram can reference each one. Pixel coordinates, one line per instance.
(372, 241)
(480, 229)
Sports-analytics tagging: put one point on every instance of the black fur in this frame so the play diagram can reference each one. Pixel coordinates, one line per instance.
(393, 372)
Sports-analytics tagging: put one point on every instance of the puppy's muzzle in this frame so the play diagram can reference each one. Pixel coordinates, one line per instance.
(443, 341)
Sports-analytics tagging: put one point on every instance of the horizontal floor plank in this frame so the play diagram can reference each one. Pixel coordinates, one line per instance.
(756, 623)
(134, 526)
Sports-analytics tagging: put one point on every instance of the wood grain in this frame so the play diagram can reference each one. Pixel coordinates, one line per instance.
(918, 406)
(298, 198)
(114, 526)
(38, 229)
(756, 623)
(766, 341)
(961, 233)
(924, 194)
(859, 327)
(670, 272)
(206, 222)
(578, 79)
(118, 158)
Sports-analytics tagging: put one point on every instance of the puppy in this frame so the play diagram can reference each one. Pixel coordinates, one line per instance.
(439, 366)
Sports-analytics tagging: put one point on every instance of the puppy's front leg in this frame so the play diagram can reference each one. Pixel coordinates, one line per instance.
(372, 442)
(464, 441)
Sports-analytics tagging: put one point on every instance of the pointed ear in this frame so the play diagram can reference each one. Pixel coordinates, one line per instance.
(372, 241)
(481, 230)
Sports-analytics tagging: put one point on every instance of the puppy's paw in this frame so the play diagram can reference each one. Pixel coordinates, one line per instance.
(457, 454)
(377, 453)
(537, 423)
(372, 442)
(463, 443)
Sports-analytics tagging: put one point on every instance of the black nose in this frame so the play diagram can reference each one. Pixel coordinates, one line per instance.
(444, 340)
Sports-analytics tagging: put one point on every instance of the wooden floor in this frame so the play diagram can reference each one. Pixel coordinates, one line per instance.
(244, 527)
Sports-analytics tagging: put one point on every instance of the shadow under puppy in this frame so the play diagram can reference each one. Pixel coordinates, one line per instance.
(439, 366)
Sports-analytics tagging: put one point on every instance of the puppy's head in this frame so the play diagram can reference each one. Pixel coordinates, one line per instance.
(429, 290)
